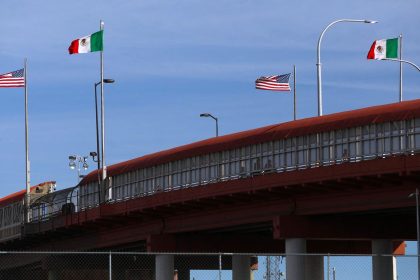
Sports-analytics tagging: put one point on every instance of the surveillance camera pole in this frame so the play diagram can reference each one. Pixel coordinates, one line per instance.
(75, 161)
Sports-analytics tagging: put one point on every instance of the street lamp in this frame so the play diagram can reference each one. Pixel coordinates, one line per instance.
(78, 162)
(106, 81)
(207, 115)
(416, 194)
(100, 155)
(318, 63)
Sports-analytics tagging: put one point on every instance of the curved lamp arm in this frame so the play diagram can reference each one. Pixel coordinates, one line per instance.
(405, 61)
(318, 62)
(331, 24)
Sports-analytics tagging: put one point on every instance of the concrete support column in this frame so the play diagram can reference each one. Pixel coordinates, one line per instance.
(241, 267)
(295, 264)
(315, 267)
(383, 268)
(164, 267)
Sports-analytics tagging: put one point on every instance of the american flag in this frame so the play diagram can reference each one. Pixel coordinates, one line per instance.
(278, 83)
(12, 79)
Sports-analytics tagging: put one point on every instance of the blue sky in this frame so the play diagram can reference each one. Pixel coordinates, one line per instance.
(173, 60)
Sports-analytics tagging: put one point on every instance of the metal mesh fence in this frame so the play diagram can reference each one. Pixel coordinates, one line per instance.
(193, 266)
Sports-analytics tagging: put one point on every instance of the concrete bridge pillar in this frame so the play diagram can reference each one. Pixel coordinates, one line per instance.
(314, 267)
(383, 268)
(295, 264)
(241, 267)
(301, 267)
(164, 267)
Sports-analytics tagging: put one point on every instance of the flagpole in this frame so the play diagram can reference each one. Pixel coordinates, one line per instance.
(401, 70)
(294, 92)
(101, 23)
(28, 179)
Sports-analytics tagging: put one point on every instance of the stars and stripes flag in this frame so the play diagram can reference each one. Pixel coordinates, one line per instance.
(12, 79)
(276, 83)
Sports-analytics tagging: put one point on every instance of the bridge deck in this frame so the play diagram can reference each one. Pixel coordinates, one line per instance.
(366, 196)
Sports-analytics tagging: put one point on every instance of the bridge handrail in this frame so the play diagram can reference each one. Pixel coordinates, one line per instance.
(340, 146)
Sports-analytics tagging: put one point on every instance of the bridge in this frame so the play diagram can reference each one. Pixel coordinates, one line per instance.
(333, 184)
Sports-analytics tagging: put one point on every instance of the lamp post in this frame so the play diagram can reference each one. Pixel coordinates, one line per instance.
(416, 194)
(208, 115)
(99, 154)
(318, 63)
(106, 81)
(74, 163)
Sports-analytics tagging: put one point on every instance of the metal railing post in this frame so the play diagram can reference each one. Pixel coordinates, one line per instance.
(328, 266)
(110, 265)
(220, 266)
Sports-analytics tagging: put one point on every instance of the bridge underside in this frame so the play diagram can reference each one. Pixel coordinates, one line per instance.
(337, 208)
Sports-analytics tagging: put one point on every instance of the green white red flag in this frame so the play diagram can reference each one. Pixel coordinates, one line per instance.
(382, 49)
(91, 43)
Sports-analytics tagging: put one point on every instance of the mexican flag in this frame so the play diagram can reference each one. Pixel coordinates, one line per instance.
(381, 49)
(92, 43)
